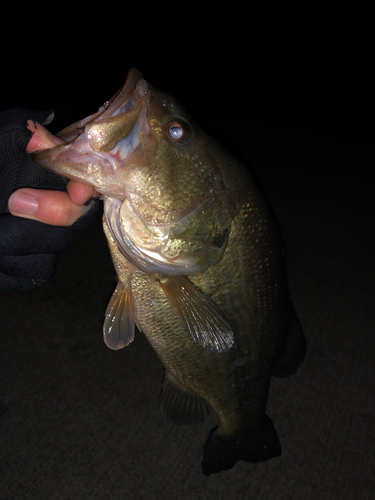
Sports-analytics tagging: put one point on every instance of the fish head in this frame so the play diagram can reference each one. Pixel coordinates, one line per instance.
(166, 201)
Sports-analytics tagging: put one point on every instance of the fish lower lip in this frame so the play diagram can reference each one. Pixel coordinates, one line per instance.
(49, 153)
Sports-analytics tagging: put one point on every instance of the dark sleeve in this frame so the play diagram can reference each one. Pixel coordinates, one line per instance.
(29, 249)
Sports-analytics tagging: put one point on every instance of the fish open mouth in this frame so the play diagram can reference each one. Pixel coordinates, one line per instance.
(125, 103)
(100, 144)
(126, 100)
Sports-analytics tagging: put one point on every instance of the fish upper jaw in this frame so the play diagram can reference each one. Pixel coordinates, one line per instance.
(102, 145)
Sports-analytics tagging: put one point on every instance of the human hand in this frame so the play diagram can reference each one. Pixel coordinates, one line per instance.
(51, 207)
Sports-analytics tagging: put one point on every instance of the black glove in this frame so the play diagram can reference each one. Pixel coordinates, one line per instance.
(29, 249)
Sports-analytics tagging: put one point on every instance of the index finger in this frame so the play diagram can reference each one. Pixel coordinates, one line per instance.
(50, 207)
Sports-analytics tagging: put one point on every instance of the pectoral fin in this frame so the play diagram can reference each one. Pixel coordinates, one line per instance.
(119, 323)
(200, 315)
(180, 406)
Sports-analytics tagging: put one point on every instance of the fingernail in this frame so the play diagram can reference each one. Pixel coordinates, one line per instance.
(23, 204)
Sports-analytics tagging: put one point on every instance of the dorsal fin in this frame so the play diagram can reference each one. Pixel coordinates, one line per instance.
(179, 405)
(119, 323)
(200, 315)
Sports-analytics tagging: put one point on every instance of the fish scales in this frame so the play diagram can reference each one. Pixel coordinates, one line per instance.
(199, 262)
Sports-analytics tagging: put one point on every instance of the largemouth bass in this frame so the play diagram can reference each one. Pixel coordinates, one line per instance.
(199, 262)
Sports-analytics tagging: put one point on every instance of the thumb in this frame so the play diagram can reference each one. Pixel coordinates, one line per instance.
(51, 207)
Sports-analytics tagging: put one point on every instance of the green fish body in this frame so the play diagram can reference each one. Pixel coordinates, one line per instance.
(199, 262)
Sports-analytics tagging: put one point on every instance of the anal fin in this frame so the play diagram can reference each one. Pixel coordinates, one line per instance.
(198, 312)
(179, 405)
(119, 323)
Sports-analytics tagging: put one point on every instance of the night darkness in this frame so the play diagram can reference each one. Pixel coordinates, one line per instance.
(287, 127)
(80, 421)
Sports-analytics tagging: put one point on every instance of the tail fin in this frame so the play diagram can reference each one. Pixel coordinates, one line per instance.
(222, 453)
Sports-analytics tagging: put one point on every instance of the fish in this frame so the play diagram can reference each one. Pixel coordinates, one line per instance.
(200, 265)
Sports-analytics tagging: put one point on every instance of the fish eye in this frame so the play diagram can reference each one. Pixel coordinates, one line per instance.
(178, 131)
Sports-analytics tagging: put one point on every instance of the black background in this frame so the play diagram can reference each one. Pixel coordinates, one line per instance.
(301, 125)
(80, 421)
